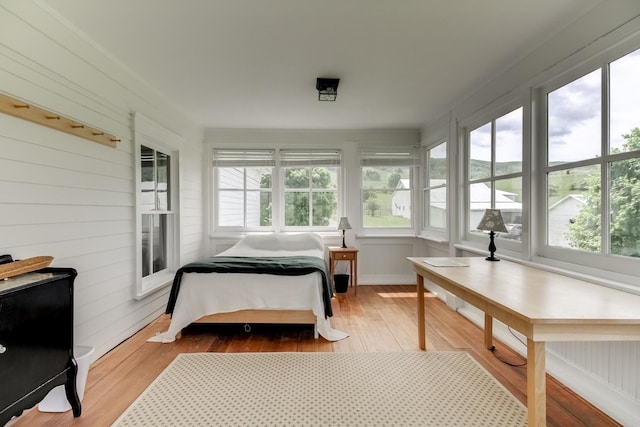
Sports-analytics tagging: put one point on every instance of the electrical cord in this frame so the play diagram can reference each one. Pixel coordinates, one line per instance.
(506, 362)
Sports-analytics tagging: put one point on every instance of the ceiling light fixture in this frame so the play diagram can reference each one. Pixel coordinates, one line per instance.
(327, 89)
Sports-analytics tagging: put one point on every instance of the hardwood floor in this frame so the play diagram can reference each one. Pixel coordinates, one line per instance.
(378, 319)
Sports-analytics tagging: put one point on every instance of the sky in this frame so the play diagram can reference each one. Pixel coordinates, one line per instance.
(575, 117)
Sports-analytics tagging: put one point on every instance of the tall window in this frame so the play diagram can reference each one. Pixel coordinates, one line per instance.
(310, 184)
(386, 184)
(435, 190)
(157, 224)
(593, 161)
(244, 192)
(495, 172)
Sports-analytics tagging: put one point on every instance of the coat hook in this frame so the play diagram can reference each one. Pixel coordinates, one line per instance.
(97, 133)
(53, 117)
(77, 126)
(22, 106)
(115, 140)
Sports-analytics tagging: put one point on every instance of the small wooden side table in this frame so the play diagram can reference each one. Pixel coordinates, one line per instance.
(350, 254)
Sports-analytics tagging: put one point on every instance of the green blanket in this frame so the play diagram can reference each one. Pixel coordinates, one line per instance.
(282, 266)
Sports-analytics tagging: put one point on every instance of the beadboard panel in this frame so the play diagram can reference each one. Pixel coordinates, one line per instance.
(74, 199)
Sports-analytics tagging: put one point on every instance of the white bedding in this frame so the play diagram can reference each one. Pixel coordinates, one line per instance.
(210, 293)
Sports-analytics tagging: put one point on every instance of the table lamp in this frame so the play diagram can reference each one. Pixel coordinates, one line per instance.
(344, 225)
(492, 221)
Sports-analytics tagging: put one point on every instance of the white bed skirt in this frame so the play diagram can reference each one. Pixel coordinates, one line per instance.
(202, 294)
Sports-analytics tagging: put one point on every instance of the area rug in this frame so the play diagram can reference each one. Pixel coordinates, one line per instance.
(325, 389)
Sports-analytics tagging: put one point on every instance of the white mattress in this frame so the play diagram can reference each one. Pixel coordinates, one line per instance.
(210, 293)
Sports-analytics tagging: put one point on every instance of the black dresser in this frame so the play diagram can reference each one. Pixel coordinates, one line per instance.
(36, 340)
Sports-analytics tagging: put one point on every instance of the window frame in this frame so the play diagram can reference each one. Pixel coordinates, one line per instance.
(427, 188)
(277, 189)
(150, 134)
(479, 239)
(389, 156)
(575, 259)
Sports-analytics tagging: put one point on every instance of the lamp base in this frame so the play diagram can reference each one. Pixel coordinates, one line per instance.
(492, 258)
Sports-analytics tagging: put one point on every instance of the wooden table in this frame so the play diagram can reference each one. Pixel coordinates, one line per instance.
(350, 254)
(541, 305)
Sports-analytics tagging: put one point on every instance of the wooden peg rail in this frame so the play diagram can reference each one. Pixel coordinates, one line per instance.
(37, 115)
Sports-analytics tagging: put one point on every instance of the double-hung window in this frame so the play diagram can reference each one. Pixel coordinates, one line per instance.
(593, 166)
(157, 224)
(494, 172)
(434, 194)
(243, 182)
(310, 187)
(387, 186)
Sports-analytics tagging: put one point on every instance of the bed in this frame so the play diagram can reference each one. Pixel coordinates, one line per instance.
(274, 278)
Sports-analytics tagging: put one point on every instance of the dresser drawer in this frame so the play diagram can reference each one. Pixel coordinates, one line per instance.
(344, 256)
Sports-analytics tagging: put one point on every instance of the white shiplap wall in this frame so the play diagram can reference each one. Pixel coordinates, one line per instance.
(74, 199)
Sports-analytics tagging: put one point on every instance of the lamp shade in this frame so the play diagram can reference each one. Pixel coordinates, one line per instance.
(344, 224)
(492, 221)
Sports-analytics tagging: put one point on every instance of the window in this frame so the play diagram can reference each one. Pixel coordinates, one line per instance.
(310, 184)
(435, 190)
(495, 172)
(244, 196)
(276, 189)
(156, 206)
(593, 161)
(157, 224)
(386, 187)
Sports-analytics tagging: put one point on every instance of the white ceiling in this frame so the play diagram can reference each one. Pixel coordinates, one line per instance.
(254, 63)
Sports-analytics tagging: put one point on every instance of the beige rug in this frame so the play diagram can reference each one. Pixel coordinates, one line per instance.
(325, 389)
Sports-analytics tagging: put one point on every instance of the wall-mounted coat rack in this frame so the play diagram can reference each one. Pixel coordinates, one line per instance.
(37, 115)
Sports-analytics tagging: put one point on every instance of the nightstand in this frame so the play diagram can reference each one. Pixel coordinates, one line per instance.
(350, 254)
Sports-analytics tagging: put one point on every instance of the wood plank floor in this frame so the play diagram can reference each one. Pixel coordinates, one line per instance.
(378, 319)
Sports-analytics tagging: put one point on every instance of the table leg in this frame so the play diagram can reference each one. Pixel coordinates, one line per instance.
(536, 383)
(421, 327)
(355, 275)
(488, 331)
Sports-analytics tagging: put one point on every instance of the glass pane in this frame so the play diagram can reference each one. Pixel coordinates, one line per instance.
(480, 152)
(372, 177)
(573, 200)
(231, 208)
(148, 179)
(266, 206)
(159, 237)
(508, 198)
(258, 178)
(509, 143)
(387, 208)
(162, 175)
(437, 208)
(575, 120)
(296, 178)
(146, 245)
(624, 193)
(438, 165)
(231, 178)
(325, 206)
(325, 178)
(479, 200)
(296, 209)
(624, 105)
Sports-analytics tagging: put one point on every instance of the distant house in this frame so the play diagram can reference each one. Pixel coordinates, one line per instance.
(401, 200)
(561, 214)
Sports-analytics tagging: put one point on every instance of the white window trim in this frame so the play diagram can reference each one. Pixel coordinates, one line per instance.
(426, 232)
(152, 135)
(277, 190)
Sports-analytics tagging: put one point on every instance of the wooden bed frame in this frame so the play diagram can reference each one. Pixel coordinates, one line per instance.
(246, 317)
